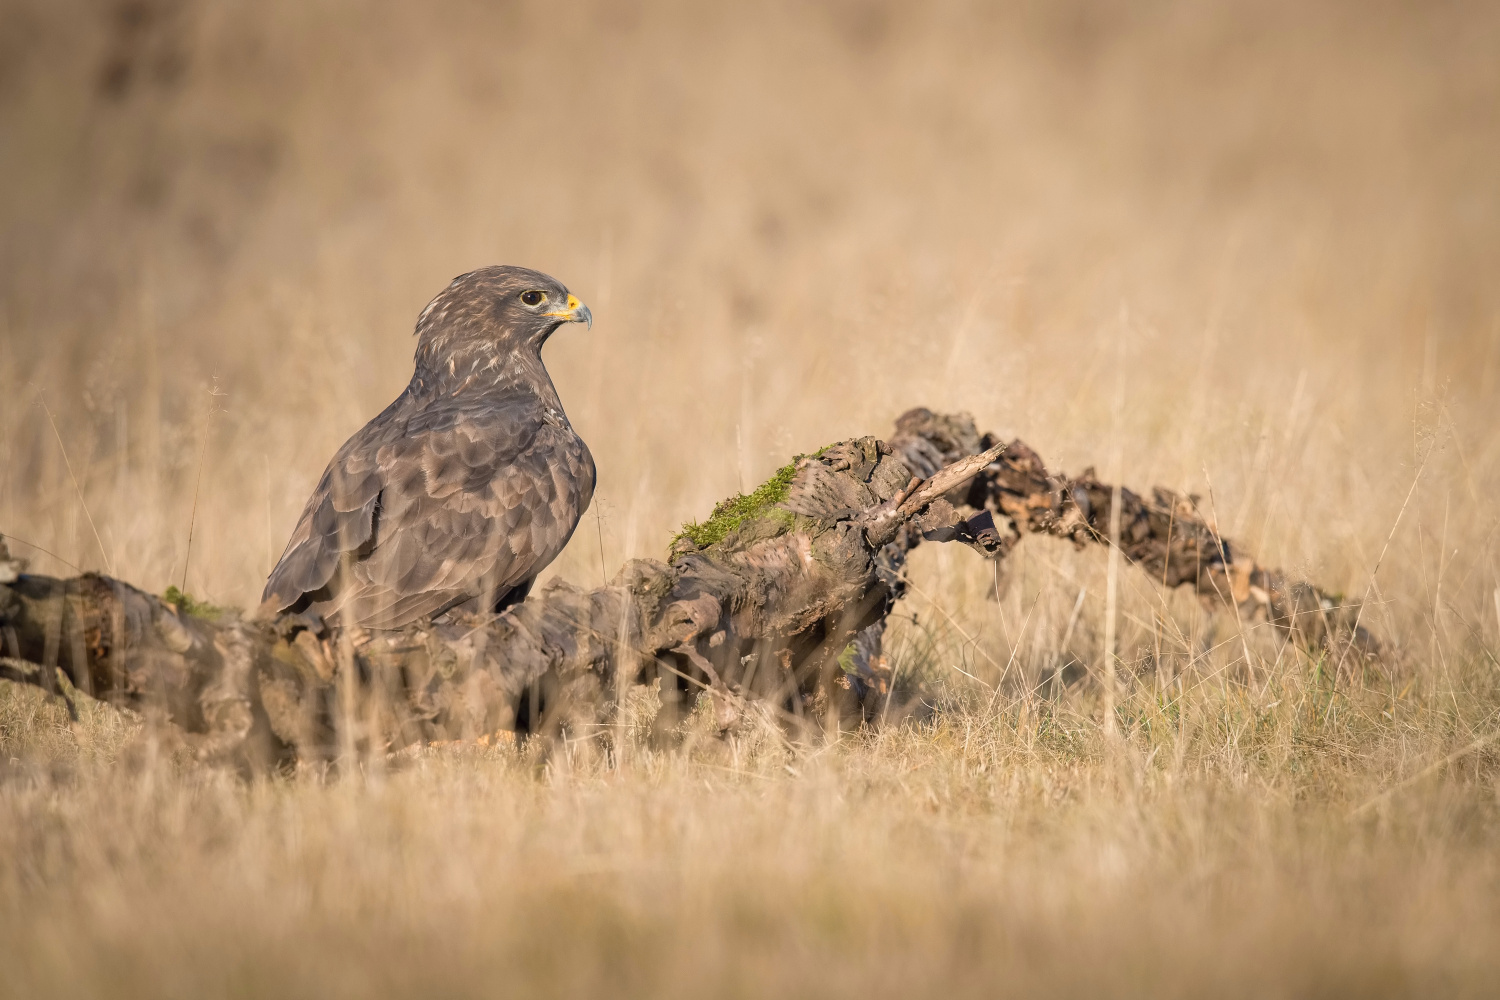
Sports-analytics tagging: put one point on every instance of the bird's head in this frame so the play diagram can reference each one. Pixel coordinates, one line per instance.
(493, 313)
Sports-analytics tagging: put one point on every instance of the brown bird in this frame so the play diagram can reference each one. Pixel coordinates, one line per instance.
(462, 490)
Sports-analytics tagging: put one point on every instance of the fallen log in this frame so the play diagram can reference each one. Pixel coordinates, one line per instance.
(780, 596)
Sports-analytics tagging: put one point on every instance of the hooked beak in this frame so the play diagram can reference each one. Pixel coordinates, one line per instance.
(575, 312)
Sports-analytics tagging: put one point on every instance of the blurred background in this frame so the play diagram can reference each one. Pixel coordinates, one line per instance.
(1245, 245)
(1244, 249)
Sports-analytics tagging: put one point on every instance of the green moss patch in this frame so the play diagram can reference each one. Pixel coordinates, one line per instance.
(189, 605)
(846, 659)
(730, 514)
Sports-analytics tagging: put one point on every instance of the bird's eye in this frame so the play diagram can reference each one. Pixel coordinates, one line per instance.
(533, 297)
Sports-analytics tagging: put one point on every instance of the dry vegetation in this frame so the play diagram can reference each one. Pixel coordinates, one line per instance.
(1241, 249)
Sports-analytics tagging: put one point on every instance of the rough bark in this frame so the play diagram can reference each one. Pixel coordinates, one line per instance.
(786, 604)
(1168, 536)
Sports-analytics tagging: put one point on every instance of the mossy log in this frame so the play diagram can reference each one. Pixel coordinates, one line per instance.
(765, 600)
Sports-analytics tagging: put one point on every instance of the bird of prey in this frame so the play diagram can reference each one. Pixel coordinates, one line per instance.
(465, 487)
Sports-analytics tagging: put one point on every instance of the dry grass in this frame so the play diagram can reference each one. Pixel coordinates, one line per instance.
(1245, 247)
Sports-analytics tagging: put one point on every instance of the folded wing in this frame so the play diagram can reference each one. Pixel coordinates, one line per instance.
(420, 511)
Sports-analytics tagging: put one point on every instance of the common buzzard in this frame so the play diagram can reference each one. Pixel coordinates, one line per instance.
(465, 487)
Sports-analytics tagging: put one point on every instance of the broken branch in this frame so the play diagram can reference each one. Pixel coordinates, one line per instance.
(768, 609)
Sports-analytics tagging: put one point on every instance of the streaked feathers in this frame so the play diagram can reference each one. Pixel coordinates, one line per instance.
(462, 490)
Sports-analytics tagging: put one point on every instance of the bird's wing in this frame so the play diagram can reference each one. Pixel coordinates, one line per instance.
(338, 517)
(474, 496)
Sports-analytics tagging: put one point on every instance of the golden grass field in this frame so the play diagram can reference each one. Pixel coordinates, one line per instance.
(1244, 249)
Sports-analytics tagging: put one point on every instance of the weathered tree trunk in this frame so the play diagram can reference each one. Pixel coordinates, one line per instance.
(761, 601)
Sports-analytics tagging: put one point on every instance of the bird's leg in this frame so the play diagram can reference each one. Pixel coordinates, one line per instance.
(514, 595)
(288, 623)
